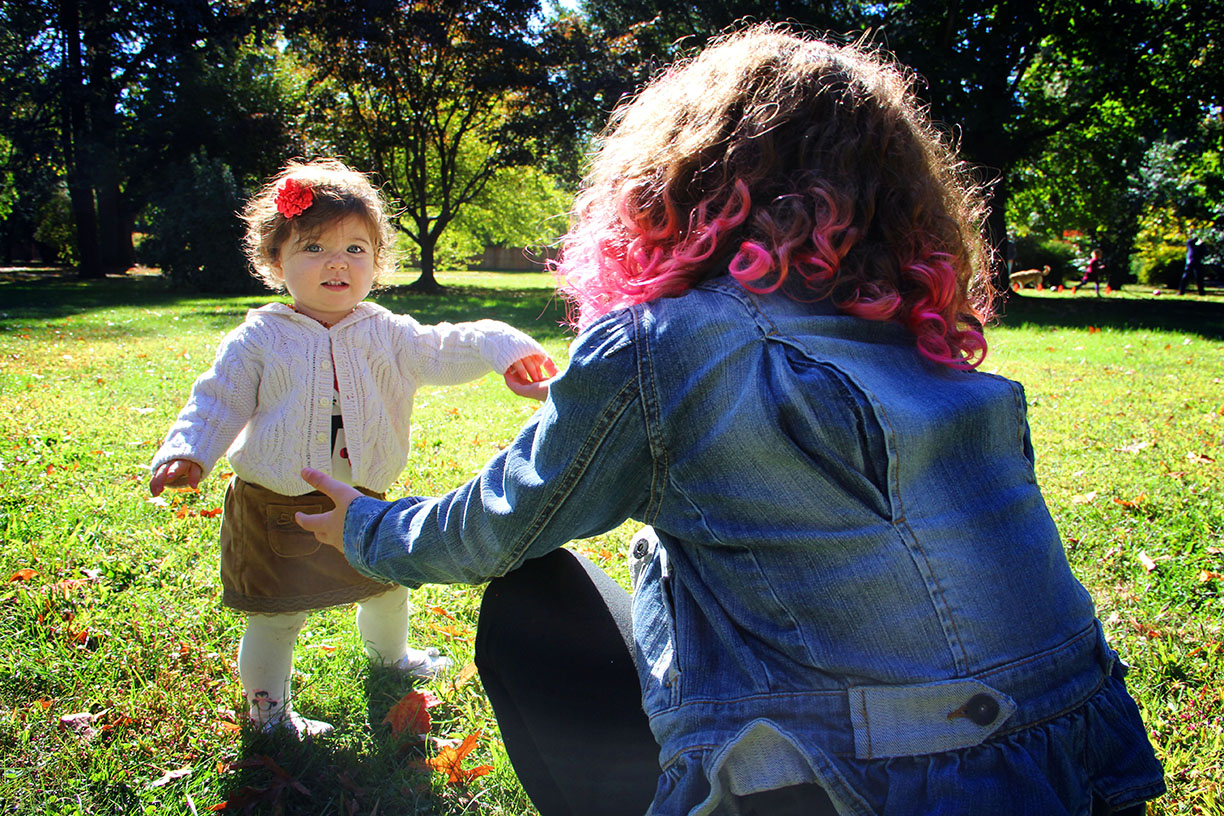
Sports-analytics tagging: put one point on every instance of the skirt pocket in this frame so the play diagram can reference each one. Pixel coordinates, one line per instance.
(285, 537)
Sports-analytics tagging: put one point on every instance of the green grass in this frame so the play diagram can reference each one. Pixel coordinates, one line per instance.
(120, 618)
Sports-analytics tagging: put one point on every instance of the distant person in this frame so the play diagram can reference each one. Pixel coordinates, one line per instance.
(325, 382)
(1194, 267)
(851, 597)
(1094, 272)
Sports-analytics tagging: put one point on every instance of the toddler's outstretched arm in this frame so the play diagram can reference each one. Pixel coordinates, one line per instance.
(528, 376)
(175, 473)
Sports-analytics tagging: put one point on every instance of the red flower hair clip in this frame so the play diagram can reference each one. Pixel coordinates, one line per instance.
(292, 198)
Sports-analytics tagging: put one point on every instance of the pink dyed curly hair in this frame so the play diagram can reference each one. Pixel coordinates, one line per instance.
(810, 168)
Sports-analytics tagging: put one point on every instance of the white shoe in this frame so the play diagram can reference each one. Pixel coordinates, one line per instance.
(294, 723)
(425, 663)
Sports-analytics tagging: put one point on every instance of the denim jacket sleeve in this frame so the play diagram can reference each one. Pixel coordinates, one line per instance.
(581, 466)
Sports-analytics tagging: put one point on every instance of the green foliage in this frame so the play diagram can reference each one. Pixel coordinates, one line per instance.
(56, 228)
(194, 233)
(8, 190)
(520, 207)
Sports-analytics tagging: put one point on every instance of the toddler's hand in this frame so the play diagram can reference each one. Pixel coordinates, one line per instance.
(328, 527)
(175, 473)
(528, 376)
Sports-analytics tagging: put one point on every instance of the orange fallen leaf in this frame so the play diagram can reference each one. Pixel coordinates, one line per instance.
(450, 762)
(1206, 576)
(465, 674)
(216, 511)
(1146, 631)
(411, 714)
(437, 610)
(1135, 502)
(22, 575)
(450, 631)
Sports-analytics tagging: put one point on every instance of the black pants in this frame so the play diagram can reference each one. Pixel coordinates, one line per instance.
(554, 647)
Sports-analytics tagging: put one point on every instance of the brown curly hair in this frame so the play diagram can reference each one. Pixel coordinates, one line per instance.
(337, 192)
(805, 163)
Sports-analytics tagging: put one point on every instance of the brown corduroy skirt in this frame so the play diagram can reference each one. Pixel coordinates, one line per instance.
(269, 564)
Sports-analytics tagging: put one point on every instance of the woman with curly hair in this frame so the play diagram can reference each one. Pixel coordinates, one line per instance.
(850, 597)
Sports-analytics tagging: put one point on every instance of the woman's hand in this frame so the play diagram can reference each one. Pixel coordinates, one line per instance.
(327, 527)
(175, 473)
(528, 376)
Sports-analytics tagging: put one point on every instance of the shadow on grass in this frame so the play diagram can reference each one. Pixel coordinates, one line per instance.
(338, 773)
(1204, 317)
(51, 295)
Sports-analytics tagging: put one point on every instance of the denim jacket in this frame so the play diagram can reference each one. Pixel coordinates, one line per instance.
(849, 577)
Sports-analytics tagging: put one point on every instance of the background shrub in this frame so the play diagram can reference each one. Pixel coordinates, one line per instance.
(195, 236)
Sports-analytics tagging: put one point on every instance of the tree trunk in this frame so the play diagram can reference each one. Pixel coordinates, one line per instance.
(427, 283)
(80, 189)
(996, 235)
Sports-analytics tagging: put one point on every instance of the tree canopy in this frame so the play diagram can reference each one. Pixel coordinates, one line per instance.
(433, 97)
(1101, 119)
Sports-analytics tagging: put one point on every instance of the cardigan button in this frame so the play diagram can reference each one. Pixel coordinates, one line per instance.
(982, 709)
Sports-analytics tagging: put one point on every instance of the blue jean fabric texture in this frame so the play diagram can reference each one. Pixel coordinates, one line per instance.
(851, 577)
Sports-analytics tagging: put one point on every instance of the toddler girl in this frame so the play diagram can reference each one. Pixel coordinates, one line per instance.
(325, 381)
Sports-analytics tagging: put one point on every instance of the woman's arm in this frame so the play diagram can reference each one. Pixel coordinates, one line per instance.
(582, 465)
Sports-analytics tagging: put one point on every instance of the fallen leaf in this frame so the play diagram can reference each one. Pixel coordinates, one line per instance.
(450, 762)
(1135, 502)
(81, 724)
(1084, 498)
(411, 714)
(22, 575)
(216, 511)
(1146, 560)
(1147, 631)
(170, 776)
(1134, 447)
(465, 674)
(1206, 576)
(437, 610)
(1199, 458)
(453, 632)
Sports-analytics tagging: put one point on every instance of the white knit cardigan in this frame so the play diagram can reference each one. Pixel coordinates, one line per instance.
(266, 401)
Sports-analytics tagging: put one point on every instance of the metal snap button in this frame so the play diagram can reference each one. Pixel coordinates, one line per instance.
(982, 709)
(640, 548)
